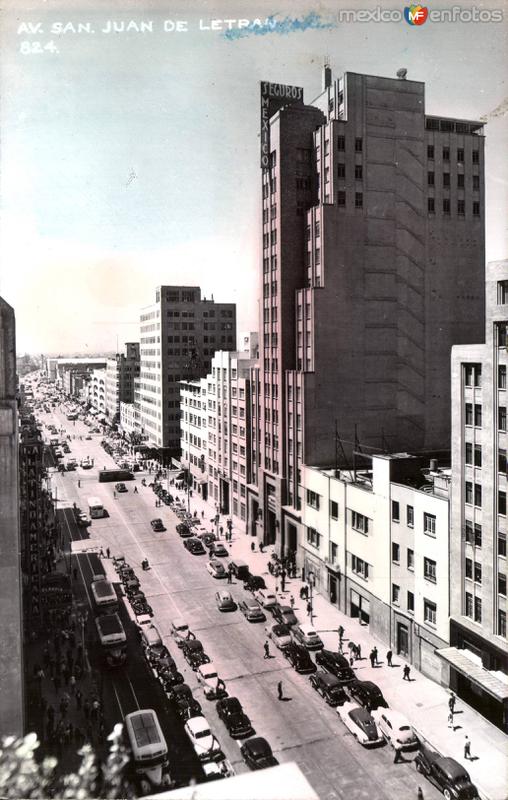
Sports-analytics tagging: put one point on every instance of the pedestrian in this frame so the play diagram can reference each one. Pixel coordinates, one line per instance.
(267, 650)
(94, 714)
(372, 658)
(276, 588)
(374, 650)
(78, 698)
(114, 494)
(467, 748)
(108, 552)
(292, 601)
(340, 631)
(202, 514)
(86, 709)
(309, 609)
(252, 545)
(406, 671)
(302, 592)
(389, 658)
(419, 795)
(450, 720)
(451, 702)
(135, 490)
(283, 583)
(397, 756)
(358, 652)
(280, 693)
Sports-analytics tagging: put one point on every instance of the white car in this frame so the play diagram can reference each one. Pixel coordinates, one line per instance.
(265, 598)
(279, 634)
(306, 635)
(179, 631)
(209, 679)
(205, 745)
(395, 728)
(216, 568)
(360, 723)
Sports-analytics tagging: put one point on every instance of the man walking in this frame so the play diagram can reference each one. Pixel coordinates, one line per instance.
(389, 658)
(406, 671)
(451, 703)
(267, 650)
(467, 748)
(372, 658)
(450, 720)
(280, 693)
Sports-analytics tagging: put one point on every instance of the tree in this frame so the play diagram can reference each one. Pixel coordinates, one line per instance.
(22, 776)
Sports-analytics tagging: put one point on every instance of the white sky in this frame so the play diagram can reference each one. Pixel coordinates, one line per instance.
(84, 243)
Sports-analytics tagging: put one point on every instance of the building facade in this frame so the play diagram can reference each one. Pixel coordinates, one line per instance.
(96, 391)
(373, 242)
(120, 374)
(375, 540)
(179, 334)
(478, 656)
(12, 711)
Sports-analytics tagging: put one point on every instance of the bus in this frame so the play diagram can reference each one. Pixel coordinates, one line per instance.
(115, 475)
(112, 639)
(95, 508)
(148, 749)
(104, 595)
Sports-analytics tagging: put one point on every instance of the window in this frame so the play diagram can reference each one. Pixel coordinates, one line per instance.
(473, 375)
(476, 208)
(395, 511)
(501, 623)
(410, 559)
(410, 516)
(313, 537)
(460, 154)
(501, 334)
(501, 503)
(359, 522)
(501, 418)
(478, 415)
(501, 584)
(469, 414)
(430, 178)
(446, 153)
(358, 145)
(360, 567)
(358, 172)
(469, 452)
(341, 142)
(446, 178)
(430, 151)
(431, 205)
(341, 170)
(469, 492)
(469, 605)
(501, 544)
(395, 593)
(313, 499)
(475, 155)
(334, 509)
(410, 601)
(429, 524)
(501, 458)
(358, 200)
(501, 376)
(396, 552)
(341, 198)
(478, 495)
(477, 609)
(429, 569)
(446, 206)
(461, 208)
(429, 611)
(477, 455)
(473, 533)
(476, 181)
(502, 292)
(460, 180)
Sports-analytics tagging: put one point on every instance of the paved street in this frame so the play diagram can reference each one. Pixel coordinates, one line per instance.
(302, 728)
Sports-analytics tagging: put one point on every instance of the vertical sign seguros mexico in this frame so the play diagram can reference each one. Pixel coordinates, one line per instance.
(273, 97)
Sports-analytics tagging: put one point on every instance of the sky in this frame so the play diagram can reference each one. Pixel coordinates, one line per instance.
(131, 159)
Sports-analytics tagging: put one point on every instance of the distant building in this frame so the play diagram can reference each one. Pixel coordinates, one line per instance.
(179, 334)
(120, 374)
(56, 368)
(478, 657)
(12, 711)
(96, 391)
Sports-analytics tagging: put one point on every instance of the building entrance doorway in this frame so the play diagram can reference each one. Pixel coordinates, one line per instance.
(224, 496)
(333, 588)
(292, 538)
(270, 528)
(402, 640)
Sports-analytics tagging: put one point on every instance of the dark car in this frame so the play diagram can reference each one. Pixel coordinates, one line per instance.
(257, 753)
(207, 538)
(284, 614)
(299, 658)
(166, 663)
(157, 525)
(218, 550)
(171, 679)
(121, 487)
(329, 687)
(234, 718)
(447, 774)
(141, 607)
(367, 694)
(185, 705)
(336, 664)
(194, 653)
(255, 582)
(194, 546)
(183, 530)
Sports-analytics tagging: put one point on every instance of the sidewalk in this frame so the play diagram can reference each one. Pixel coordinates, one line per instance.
(423, 702)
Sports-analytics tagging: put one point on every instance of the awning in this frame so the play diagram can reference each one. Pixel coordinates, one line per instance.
(483, 677)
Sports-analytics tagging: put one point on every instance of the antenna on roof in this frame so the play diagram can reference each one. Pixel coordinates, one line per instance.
(327, 74)
(401, 73)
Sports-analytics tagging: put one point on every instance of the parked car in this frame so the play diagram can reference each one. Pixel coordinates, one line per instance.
(194, 654)
(395, 728)
(157, 524)
(224, 600)
(216, 569)
(121, 487)
(217, 550)
(82, 519)
(284, 615)
(207, 538)
(202, 739)
(329, 687)
(183, 530)
(234, 718)
(184, 703)
(255, 582)
(194, 546)
(448, 775)
(251, 610)
(360, 723)
(337, 664)
(151, 642)
(366, 693)
(306, 635)
(179, 631)
(208, 677)
(166, 663)
(257, 753)
(171, 679)
(299, 658)
(265, 598)
(279, 634)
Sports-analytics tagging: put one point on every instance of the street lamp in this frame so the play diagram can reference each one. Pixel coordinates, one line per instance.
(311, 578)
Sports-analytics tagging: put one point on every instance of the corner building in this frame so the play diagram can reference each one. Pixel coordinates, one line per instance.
(373, 267)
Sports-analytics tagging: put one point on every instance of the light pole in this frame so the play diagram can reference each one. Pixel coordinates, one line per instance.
(311, 579)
